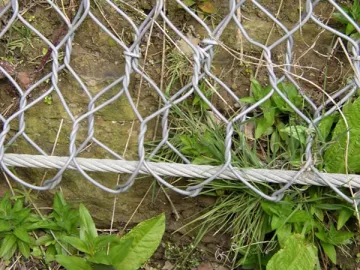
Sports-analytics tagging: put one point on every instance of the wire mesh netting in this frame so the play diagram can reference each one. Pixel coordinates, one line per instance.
(196, 89)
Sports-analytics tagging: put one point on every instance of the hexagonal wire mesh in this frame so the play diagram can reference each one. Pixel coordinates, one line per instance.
(60, 53)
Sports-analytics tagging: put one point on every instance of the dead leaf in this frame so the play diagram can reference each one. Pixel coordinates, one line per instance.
(168, 266)
(24, 80)
(185, 47)
(205, 266)
(10, 68)
(207, 7)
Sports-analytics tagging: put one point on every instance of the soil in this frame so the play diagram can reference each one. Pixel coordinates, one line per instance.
(99, 61)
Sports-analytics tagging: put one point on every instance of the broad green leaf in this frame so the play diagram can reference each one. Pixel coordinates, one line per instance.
(325, 126)
(100, 258)
(329, 250)
(59, 202)
(262, 127)
(18, 205)
(317, 212)
(5, 204)
(146, 237)
(283, 234)
(297, 132)
(189, 3)
(300, 216)
(335, 155)
(207, 7)
(76, 243)
(280, 208)
(259, 92)
(103, 240)
(296, 255)
(36, 252)
(87, 226)
(118, 252)
(249, 100)
(344, 216)
(24, 248)
(349, 29)
(7, 245)
(21, 233)
(50, 253)
(43, 224)
(4, 226)
(43, 240)
(337, 237)
(275, 142)
(73, 263)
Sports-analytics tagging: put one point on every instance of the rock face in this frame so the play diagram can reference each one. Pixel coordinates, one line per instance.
(99, 61)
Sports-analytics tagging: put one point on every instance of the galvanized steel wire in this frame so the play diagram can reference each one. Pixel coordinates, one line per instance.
(202, 56)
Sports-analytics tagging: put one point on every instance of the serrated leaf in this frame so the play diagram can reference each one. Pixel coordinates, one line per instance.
(24, 248)
(330, 251)
(296, 255)
(87, 225)
(73, 263)
(146, 237)
(76, 243)
(344, 216)
(334, 157)
(21, 233)
(207, 7)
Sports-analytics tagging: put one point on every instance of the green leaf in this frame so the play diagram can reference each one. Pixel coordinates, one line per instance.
(283, 234)
(36, 252)
(59, 202)
(43, 224)
(146, 238)
(4, 226)
(87, 225)
(344, 216)
(76, 243)
(207, 7)
(275, 142)
(300, 216)
(335, 155)
(325, 126)
(329, 250)
(349, 29)
(18, 205)
(21, 233)
(44, 240)
(100, 258)
(188, 3)
(120, 251)
(50, 253)
(337, 237)
(296, 255)
(103, 240)
(317, 212)
(249, 100)
(297, 132)
(73, 263)
(7, 245)
(262, 127)
(24, 248)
